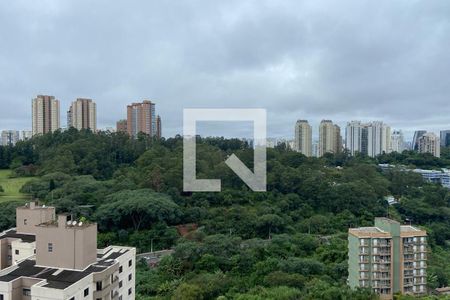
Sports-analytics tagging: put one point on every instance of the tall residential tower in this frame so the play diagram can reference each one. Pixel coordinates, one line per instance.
(82, 114)
(303, 137)
(141, 117)
(45, 113)
(330, 140)
(429, 143)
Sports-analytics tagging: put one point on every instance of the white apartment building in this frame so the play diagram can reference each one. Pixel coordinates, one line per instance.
(378, 138)
(397, 142)
(45, 258)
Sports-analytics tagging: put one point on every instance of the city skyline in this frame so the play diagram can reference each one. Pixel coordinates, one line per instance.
(63, 121)
(285, 58)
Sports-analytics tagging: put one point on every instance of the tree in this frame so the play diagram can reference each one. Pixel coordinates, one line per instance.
(1, 189)
(136, 209)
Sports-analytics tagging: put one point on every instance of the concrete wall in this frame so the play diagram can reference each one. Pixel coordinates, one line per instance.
(28, 217)
(25, 250)
(74, 247)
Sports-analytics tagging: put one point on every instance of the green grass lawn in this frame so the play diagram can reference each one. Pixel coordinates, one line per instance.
(11, 186)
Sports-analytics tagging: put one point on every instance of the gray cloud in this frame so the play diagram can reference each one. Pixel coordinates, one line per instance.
(338, 60)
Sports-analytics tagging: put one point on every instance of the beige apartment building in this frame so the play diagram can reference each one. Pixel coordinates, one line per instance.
(48, 258)
(389, 258)
(430, 143)
(303, 137)
(82, 114)
(45, 114)
(330, 139)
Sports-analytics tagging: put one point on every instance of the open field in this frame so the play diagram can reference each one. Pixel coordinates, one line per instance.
(11, 186)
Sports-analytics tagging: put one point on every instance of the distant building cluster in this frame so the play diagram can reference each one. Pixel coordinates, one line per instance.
(441, 176)
(82, 114)
(11, 137)
(371, 138)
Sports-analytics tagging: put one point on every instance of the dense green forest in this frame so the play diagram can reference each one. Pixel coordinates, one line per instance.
(287, 243)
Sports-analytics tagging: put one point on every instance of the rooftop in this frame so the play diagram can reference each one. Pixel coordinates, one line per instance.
(26, 238)
(60, 278)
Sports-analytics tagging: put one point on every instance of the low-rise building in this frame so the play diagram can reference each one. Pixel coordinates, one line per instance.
(48, 258)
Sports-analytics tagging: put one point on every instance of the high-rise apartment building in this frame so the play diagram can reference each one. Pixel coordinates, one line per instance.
(371, 139)
(397, 142)
(355, 133)
(445, 138)
(330, 139)
(121, 126)
(430, 143)
(158, 127)
(415, 141)
(45, 114)
(388, 258)
(303, 137)
(82, 114)
(9, 137)
(378, 138)
(141, 117)
(55, 258)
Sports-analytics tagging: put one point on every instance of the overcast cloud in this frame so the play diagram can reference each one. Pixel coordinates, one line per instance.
(339, 60)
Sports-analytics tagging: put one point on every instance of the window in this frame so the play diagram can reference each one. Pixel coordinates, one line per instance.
(120, 269)
(24, 221)
(26, 292)
(86, 292)
(50, 247)
(120, 284)
(99, 286)
(130, 276)
(73, 298)
(17, 252)
(9, 257)
(120, 298)
(1, 297)
(130, 263)
(9, 247)
(130, 291)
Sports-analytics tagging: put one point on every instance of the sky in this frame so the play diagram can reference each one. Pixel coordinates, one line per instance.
(339, 60)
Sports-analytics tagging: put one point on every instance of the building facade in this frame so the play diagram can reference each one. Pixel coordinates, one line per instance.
(355, 133)
(397, 142)
(429, 143)
(445, 138)
(45, 114)
(416, 137)
(388, 258)
(330, 139)
(82, 114)
(141, 118)
(54, 258)
(378, 138)
(303, 137)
